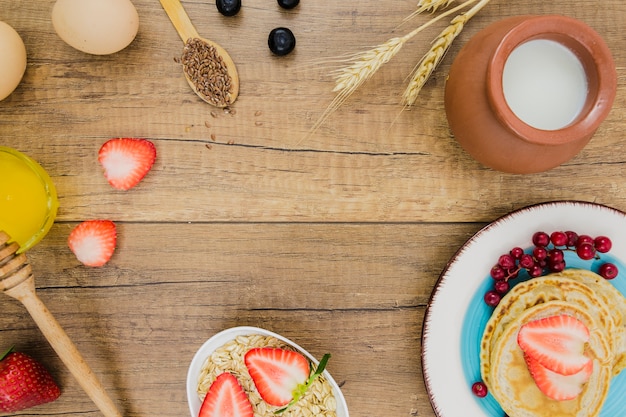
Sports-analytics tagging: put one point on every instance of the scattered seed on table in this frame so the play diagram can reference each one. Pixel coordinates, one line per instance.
(207, 124)
(213, 137)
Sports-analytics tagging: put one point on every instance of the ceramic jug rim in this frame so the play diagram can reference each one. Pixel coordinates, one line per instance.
(590, 49)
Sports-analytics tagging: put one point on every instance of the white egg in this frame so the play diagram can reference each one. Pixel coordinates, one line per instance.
(13, 60)
(98, 27)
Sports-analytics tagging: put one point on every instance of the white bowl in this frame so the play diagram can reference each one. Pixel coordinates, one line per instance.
(226, 336)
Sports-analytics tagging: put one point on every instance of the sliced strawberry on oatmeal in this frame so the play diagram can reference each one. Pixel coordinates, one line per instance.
(226, 398)
(281, 376)
(556, 342)
(277, 373)
(126, 161)
(93, 242)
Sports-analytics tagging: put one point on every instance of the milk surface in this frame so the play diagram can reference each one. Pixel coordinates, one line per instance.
(544, 84)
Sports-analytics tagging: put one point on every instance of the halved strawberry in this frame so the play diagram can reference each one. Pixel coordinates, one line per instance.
(556, 386)
(226, 398)
(93, 241)
(556, 342)
(126, 161)
(277, 373)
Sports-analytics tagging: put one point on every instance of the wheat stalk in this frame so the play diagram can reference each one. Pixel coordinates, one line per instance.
(365, 64)
(433, 57)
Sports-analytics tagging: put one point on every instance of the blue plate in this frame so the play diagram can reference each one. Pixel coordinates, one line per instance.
(456, 314)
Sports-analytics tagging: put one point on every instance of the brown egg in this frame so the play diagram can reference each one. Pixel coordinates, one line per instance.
(98, 27)
(13, 62)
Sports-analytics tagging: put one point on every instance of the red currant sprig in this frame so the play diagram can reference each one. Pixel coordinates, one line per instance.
(547, 256)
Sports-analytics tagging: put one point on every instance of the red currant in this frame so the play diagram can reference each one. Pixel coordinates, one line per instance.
(506, 261)
(584, 239)
(558, 238)
(608, 270)
(526, 261)
(497, 272)
(585, 251)
(535, 271)
(479, 389)
(540, 253)
(557, 266)
(501, 287)
(555, 255)
(541, 239)
(517, 252)
(492, 298)
(602, 244)
(572, 238)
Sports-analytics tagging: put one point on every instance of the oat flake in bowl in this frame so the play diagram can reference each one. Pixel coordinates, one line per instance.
(225, 352)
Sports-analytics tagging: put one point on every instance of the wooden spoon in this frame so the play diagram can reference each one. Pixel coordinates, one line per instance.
(17, 281)
(187, 31)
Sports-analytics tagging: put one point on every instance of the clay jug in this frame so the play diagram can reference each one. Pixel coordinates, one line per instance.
(480, 117)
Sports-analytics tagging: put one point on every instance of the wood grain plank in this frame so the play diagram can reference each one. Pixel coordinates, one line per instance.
(356, 291)
(334, 240)
(370, 162)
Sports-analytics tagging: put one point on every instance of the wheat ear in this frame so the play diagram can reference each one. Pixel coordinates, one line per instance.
(426, 66)
(433, 57)
(365, 64)
(428, 6)
(432, 5)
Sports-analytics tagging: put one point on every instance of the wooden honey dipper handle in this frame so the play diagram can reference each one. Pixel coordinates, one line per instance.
(17, 281)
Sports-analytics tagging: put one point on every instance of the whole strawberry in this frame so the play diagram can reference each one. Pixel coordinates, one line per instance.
(24, 383)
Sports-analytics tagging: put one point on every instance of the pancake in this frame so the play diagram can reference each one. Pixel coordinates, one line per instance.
(616, 303)
(515, 390)
(541, 290)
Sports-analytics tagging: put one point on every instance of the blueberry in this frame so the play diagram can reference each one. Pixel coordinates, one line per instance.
(288, 4)
(228, 7)
(281, 41)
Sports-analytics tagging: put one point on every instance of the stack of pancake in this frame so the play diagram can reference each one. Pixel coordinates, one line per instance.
(581, 294)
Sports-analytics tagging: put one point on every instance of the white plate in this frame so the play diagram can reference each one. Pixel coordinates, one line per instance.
(456, 315)
(226, 336)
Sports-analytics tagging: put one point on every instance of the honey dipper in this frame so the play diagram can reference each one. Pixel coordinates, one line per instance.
(17, 281)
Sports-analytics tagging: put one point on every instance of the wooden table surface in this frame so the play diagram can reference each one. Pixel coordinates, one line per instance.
(334, 240)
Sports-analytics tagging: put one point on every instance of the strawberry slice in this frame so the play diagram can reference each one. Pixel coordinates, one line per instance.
(226, 398)
(556, 342)
(126, 161)
(277, 373)
(93, 241)
(556, 386)
(24, 383)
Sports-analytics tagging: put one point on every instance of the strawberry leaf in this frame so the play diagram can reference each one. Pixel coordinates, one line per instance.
(5, 354)
(301, 389)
